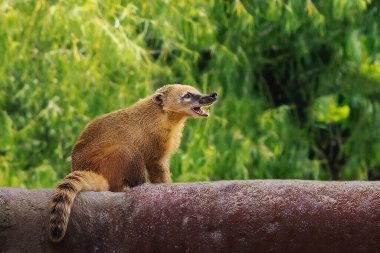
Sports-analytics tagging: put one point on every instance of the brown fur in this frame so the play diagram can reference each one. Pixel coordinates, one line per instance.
(115, 150)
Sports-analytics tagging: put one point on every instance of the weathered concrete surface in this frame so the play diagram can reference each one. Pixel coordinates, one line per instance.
(230, 216)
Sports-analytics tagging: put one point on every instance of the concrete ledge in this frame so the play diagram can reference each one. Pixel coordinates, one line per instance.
(227, 216)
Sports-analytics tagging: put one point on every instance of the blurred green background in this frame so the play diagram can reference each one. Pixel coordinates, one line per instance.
(299, 83)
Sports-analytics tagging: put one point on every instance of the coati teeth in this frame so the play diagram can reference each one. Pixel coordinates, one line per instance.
(199, 110)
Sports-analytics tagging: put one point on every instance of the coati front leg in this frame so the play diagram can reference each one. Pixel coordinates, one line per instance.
(159, 172)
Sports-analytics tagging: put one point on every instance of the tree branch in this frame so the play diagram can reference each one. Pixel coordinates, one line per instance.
(229, 216)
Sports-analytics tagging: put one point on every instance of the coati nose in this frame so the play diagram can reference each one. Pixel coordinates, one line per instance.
(214, 95)
(208, 99)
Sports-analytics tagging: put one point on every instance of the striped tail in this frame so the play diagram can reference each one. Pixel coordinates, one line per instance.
(63, 199)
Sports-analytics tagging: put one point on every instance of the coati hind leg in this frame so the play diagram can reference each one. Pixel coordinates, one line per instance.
(134, 172)
(159, 172)
(122, 166)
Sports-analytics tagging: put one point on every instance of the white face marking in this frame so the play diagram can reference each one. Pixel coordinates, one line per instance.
(186, 99)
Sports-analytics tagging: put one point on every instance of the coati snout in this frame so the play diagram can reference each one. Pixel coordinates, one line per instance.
(185, 100)
(206, 100)
(203, 101)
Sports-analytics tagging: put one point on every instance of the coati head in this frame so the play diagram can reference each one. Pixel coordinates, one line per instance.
(184, 100)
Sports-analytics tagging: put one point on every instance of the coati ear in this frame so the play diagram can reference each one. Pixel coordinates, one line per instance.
(158, 98)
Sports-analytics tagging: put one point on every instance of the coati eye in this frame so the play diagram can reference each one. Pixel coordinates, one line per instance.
(187, 95)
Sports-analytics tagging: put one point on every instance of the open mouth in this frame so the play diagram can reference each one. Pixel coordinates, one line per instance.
(200, 111)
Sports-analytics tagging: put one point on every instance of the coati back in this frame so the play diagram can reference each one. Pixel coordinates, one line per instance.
(115, 150)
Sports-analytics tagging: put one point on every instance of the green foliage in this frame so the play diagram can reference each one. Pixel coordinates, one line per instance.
(327, 110)
(299, 83)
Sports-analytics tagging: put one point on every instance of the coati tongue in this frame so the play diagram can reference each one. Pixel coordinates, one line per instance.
(199, 111)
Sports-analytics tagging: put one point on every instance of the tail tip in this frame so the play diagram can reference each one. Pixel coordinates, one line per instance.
(56, 234)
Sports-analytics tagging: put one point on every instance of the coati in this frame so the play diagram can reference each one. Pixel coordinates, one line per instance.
(115, 150)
